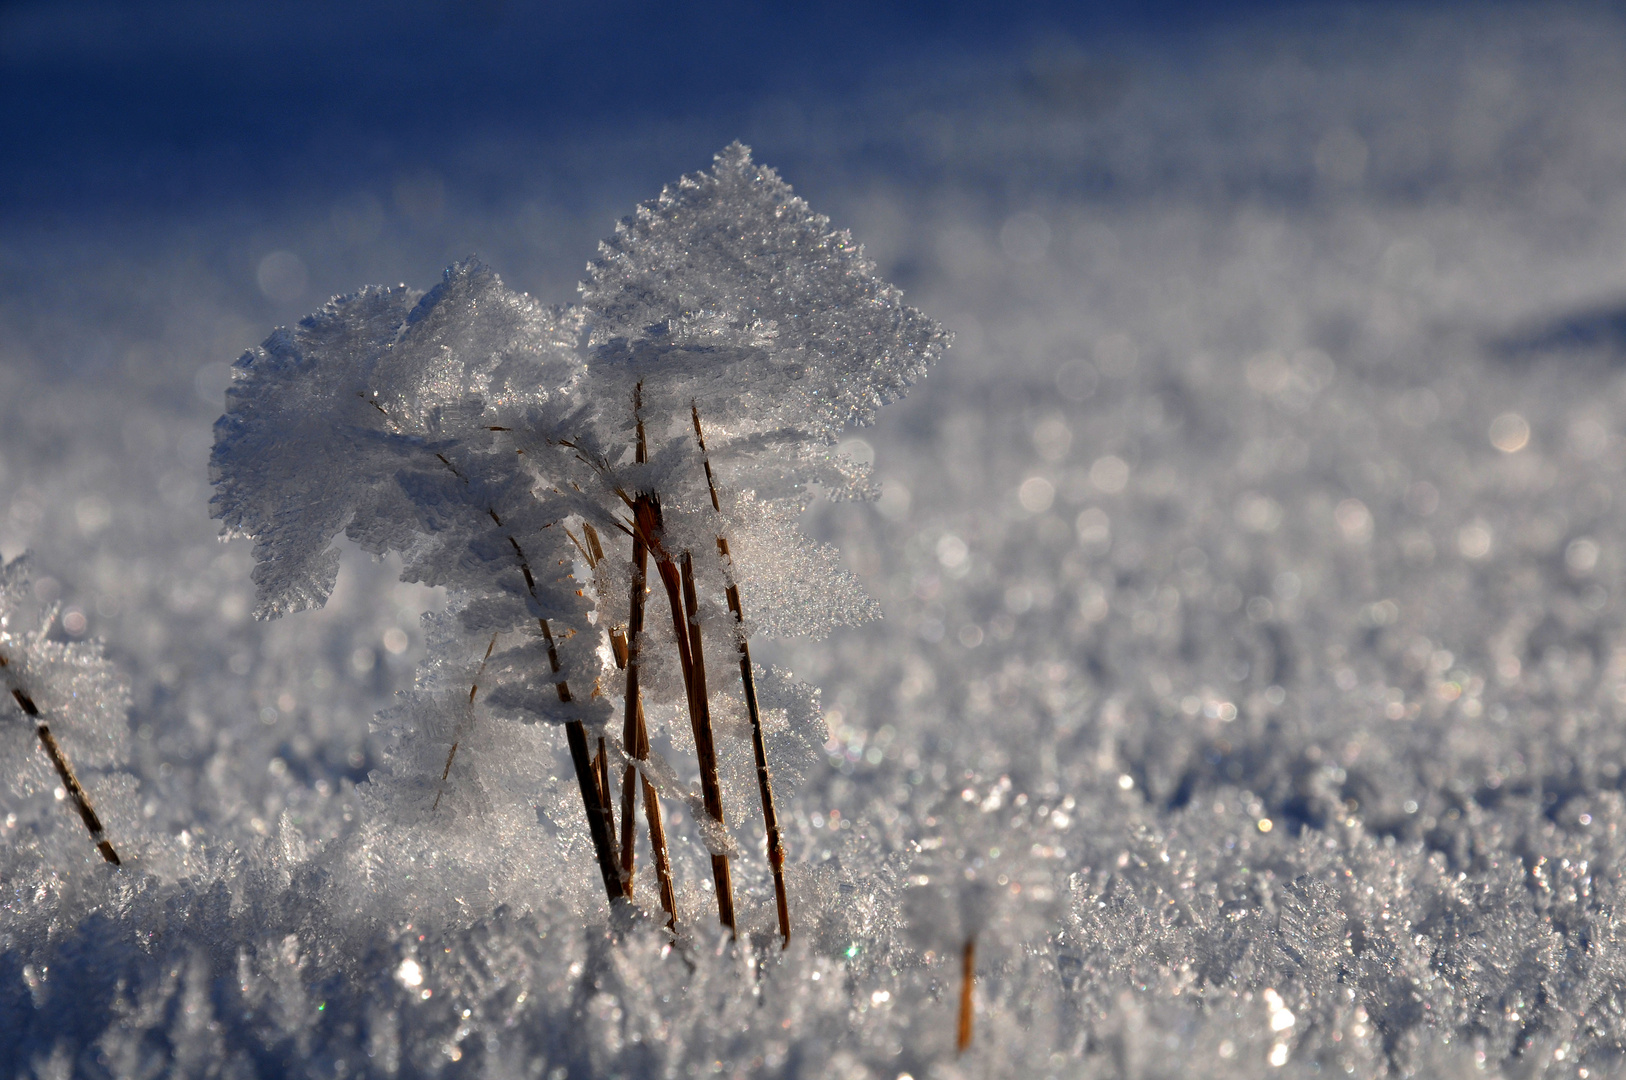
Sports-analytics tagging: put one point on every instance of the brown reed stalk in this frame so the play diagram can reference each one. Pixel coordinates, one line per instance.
(631, 780)
(968, 974)
(657, 844)
(457, 735)
(632, 727)
(594, 553)
(627, 647)
(770, 816)
(64, 770)
(710, 788)
(647, 516)
(646, 508)
(634, 732)
(594, 800)
(601, 766)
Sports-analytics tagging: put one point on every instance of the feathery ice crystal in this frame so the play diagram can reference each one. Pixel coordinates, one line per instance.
(533, 461)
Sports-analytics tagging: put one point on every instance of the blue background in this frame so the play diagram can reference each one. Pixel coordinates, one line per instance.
(147, 107)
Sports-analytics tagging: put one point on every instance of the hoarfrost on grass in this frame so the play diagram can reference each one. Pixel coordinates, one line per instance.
(1253, 618)
(489, 443)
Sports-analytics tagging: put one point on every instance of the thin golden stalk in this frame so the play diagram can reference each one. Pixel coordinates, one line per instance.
(634, 733)
(601, 766)
(638, 746)
(593, 551)
(631, 728)
(647, 525)
(629, 784)
(686, 629)
(968, 974)
(64, 770)
(770, 816)
(462, 728)
(628, 647)
(705, 749)
(594, 800)
(657, 844)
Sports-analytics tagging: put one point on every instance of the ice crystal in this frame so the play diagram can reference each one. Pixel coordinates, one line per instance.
(729, 286)
(489, 442)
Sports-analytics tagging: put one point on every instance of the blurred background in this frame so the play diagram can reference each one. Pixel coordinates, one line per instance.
(146, 107)
(359, 137)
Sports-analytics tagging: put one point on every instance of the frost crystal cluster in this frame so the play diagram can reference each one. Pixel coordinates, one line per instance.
(534, 462)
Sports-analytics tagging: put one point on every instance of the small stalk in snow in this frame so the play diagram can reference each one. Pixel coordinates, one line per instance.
(64, 770)
(635, 736)
(770, 816)
(663, 862)
(462, 728)
(594, 800)
(601, 766)
(968, 972)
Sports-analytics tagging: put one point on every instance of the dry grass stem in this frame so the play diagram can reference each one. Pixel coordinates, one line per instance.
(648, 516)
(627, 645)
(637, 744)
(462, 728)
(594, 552)
(595, 801)
(711, 789)
(601, 766)
(968, 972)
(627, 649)
(64, 770)
(770, 815)
(663, 861)
(631, 727)
(609, 864)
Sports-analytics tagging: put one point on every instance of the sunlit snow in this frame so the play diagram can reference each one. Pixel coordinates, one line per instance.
(1251, 680)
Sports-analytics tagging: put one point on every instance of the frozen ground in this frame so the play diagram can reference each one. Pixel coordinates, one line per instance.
(1251, 571)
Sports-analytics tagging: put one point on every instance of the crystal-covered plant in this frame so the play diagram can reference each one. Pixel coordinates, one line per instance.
(69, 684)
(690, 406)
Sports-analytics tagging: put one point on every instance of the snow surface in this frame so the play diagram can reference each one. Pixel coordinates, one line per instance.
(1253, 666)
